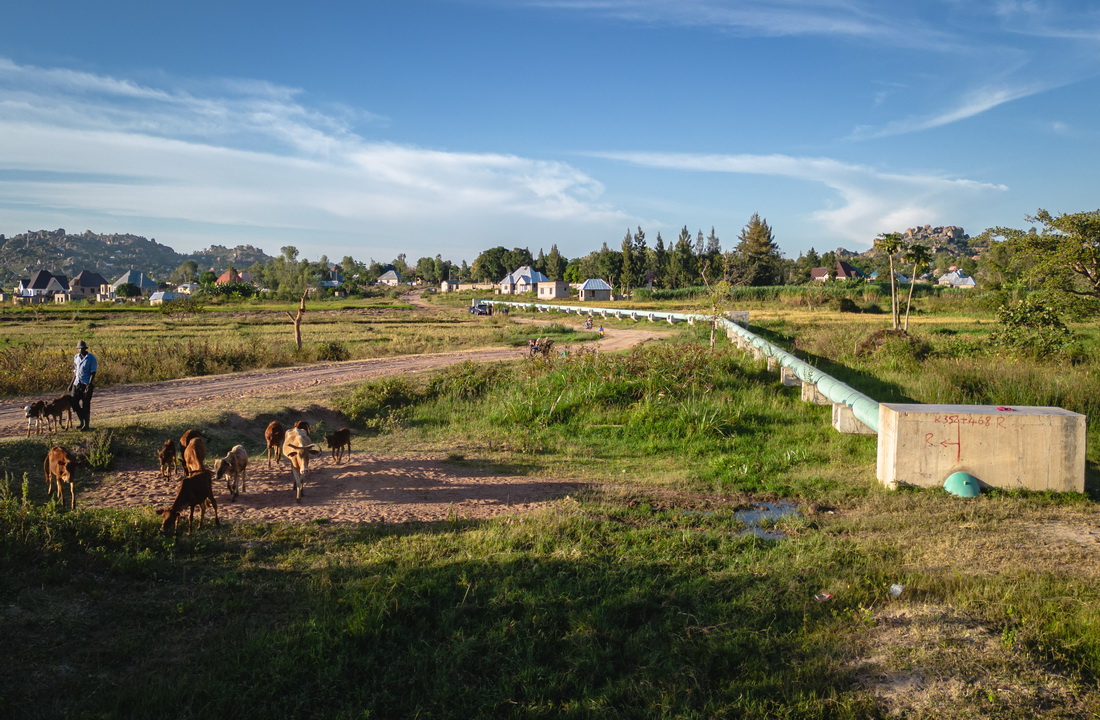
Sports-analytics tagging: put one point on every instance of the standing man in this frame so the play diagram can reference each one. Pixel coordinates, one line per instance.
(84, 369)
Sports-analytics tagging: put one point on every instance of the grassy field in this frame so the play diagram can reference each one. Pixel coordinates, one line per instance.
(646, 594)
(140, 344)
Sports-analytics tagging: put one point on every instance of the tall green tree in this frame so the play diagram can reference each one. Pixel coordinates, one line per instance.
(1063, 256)
(757, 254)
(660, 262)
(626, 274)
(555, 264)
(640, 251)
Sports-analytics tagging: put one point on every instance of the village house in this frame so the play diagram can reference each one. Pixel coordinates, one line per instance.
(553, 289)
(390, 277)
(956, 278)
(42, 287)
(842, 271)
(522, 280)
(87, 284)
(595, 289)
(140, 280)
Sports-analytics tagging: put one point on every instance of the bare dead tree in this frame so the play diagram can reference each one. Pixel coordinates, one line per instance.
(297, 320)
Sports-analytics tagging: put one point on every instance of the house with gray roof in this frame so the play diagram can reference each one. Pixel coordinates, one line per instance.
(957, 279)
(140, 280)
(594, 289)
(522, 280)
(87, 284)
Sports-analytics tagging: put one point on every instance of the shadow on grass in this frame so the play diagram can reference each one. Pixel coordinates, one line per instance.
(420, 621)
(876, 389)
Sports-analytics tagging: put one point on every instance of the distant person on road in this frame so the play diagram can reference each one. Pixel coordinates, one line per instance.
(601, 330)
(84, 370)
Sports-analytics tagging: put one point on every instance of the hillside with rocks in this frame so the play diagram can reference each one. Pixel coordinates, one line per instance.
(108, 254)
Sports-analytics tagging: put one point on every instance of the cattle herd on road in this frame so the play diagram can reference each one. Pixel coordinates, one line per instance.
(196, 487)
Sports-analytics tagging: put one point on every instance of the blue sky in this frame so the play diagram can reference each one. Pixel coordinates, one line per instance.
(446, 127)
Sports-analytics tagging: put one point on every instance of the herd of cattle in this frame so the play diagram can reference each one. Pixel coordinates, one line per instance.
(196, 488)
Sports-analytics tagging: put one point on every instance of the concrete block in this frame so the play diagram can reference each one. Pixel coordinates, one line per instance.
(811, 394)
(846, 422)
(773, 364)
(788, 378)
(1033, 448)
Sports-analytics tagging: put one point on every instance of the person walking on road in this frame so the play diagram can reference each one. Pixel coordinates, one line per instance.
(84, 370)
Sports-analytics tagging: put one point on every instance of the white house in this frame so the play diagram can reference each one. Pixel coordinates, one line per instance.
(524, 279)
(160, 297)
(957, 279)
(390, 277)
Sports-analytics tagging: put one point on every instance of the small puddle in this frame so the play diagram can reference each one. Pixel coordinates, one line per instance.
(761, 513)
(766, 512)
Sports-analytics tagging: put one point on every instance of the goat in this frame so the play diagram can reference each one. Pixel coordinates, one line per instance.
(167, 457)
(58, 466)
(232, 467)
(34, 413)
(297, 448)
(338, 442)
(194, 456)
(196, 489)
(273, 436)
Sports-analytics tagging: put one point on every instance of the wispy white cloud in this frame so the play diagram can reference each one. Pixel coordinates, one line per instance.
(771, 18)
(869, 201)
(255, 157)
(972, 103)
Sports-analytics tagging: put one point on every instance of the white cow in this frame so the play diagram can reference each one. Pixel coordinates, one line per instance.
(297, 448)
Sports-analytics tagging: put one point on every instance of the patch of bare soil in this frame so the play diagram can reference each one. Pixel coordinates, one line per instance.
(922, 661)
(366, 488)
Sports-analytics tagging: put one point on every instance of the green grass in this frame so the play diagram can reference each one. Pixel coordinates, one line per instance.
(639, 596)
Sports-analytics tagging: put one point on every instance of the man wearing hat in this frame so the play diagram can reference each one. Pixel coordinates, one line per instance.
(84, 369)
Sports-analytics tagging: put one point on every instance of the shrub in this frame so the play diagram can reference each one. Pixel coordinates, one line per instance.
(1031, 327)
(332, 351)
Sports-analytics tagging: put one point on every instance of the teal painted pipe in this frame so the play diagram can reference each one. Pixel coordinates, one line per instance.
(864, 408)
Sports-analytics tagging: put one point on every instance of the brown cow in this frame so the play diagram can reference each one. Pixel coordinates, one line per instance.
(303, 425)
(273, 436)
(196, 489)
(338, 442)
(58, 467)
(61, 409)
(194, 456)
(167, 457)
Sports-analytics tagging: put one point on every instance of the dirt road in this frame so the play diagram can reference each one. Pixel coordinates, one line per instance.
(121, 400)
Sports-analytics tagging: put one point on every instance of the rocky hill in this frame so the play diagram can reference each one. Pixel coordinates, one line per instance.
(109, 255)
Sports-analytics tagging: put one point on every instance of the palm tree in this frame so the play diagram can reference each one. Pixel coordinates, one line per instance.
(920, 256)
(890, 243)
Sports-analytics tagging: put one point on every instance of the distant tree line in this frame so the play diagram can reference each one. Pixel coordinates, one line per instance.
(693, 260)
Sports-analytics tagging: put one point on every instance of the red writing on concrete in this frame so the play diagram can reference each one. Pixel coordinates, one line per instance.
(931, 441)
(979, 420)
